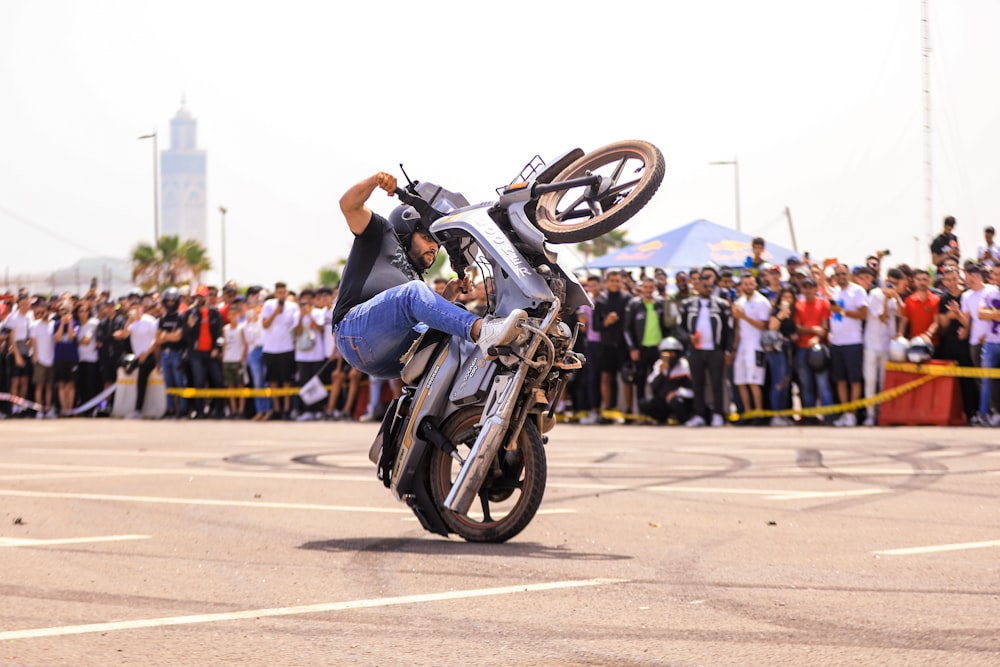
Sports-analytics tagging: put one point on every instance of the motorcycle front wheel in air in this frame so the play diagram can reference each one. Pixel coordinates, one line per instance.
(631, 172)
(512, 491)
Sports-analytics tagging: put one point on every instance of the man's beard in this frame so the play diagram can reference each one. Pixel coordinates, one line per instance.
(421, 261)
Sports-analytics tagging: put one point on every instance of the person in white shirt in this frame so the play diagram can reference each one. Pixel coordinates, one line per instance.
(278, 319)
(140, 329)
(19, 324)
(848, 310)
(88, 375)
(978, 295)
(309, 352)
(43, 352)
(988, 252)
(880, 325)
(978, 292)
(234, 356)
(751, 312)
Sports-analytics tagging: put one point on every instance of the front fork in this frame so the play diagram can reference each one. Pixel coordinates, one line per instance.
(496, 423)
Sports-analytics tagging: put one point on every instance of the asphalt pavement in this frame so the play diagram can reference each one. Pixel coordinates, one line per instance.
(197, 543)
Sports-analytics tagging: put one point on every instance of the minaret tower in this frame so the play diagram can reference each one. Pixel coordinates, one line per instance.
(182, 181)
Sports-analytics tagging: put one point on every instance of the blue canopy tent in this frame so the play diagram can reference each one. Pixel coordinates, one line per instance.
(694, 244)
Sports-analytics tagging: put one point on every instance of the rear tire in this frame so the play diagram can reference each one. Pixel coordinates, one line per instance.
(513, 489)
(572, 216)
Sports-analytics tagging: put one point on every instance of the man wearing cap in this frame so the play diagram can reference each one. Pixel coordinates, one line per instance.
(945, 244)
(770, 280)
(989, 252)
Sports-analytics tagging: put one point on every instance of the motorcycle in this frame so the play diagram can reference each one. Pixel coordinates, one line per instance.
(463, 444)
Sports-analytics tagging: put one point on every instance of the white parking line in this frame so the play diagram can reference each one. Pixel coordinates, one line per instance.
(301, 609)
(200, 501)
(67, 470)
(23, 542)
(938, 548)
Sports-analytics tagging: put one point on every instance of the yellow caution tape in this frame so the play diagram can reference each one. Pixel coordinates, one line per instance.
(944, 371)
(880, 397)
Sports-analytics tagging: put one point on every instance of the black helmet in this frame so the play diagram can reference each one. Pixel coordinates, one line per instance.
(818, 357)
(405, 220)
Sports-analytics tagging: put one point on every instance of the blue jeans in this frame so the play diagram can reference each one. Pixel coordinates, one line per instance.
(172, 365)
(255, 362)
(205, 367)
(781, 378)
(990, 356)
(807, 376)
(375, 334)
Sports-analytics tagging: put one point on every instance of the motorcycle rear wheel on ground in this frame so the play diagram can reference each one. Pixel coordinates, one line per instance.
(511, 494)
(633, 170)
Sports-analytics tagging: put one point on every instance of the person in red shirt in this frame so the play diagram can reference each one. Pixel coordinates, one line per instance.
(812, 320)
(920, 309)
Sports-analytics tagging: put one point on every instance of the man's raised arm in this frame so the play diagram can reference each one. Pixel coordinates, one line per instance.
(353, 203)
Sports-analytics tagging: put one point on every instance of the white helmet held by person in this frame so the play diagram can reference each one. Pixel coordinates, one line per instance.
(920, 350)
(898, 347)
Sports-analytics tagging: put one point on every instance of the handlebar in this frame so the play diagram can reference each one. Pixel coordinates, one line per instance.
(427, 212)
(543, 188)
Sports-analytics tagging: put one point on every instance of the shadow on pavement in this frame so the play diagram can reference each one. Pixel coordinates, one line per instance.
(433, 546)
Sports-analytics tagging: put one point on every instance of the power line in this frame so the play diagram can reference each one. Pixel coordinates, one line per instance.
(40, 228)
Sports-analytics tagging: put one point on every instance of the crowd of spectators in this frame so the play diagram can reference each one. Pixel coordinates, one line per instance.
(717, 341)
(692, 350)
(57, 354)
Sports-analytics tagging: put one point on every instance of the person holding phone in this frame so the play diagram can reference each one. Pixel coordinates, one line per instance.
(278, 319)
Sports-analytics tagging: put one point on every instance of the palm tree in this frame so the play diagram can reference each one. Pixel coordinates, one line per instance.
(195, 259)
(170, 262)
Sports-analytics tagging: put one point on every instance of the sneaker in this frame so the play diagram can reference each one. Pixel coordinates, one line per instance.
(591, 418)
(850, 419)
(839, 421)
(717, 420)
(869, 420)
(368, 417)
(305, 417)
(135, 414)
(496, 331)
(695, 421)
(779, 421)
(994, 419)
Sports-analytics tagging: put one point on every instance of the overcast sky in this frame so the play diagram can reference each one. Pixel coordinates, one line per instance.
(820, 101)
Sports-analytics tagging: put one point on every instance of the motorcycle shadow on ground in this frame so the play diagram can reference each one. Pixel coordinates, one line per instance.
(435, 546)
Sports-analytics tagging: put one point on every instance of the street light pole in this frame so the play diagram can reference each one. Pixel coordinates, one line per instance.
(156, 188)
(736, 170)
(222, 210)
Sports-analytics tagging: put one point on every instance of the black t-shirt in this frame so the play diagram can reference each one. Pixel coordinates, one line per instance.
(376, 263)
(170, 323)
(943, 243)
(606, 303)
(949, 335)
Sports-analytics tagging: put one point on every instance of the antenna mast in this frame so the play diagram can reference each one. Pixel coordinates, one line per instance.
(928, 171)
